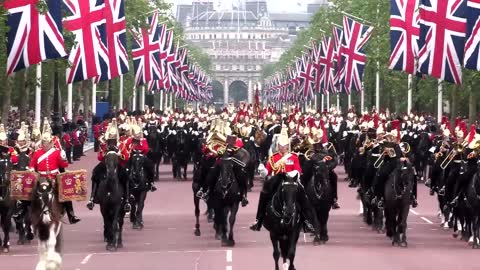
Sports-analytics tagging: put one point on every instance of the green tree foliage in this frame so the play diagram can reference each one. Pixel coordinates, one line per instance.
(393, 83)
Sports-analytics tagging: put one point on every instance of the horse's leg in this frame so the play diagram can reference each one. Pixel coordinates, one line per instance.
(115, 228)
(196, 202)
(141, 205)
(120, 228)
(403, 222)
(293, 249)
(276, 251)
(53, 259)
(231, 220)
(185, 166)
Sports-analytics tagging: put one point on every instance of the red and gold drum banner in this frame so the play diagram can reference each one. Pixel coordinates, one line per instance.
(72, 186)
(22, 184)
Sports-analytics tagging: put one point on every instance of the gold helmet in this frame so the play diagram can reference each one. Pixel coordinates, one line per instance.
(283, 139)
(112, 131)
(46, 131)
(137, 132)
(36, 131)
(22, 134)
(3, 134)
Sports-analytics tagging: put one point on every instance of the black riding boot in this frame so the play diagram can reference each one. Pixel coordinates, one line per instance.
(91, 202)
(262, 207)
(68, 206)
(414, 194)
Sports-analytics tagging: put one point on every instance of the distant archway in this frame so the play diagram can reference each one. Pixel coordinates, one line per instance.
(238, 91)
(217, 92)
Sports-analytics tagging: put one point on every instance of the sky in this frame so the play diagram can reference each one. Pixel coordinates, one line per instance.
(276, 6)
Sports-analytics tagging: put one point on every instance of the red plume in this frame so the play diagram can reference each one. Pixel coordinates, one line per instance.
(472, 133)
(322, 126)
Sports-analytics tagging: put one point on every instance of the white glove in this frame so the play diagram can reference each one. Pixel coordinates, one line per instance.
(145, 133)
(262, 170)
(63, 155)
(293, 174)
(252, 139)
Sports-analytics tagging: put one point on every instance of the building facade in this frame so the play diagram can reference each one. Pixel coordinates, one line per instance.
(240, 41)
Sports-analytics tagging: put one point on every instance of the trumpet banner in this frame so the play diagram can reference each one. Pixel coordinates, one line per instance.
(72, 186)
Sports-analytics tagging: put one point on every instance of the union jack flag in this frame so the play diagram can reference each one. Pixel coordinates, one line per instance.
(145, 52)
(307, 78)
(33, 37)
(404, 34)
(116, 40)
(352, 54)
(327, 62)
(472, 44)
(86, 19)
(337, 39)
(316, 64)
(442, 39)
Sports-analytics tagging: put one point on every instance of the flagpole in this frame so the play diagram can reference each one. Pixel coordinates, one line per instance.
(377, 87)
(120, 99)
(94, 97)
(171, 100)
(440, 101)
(134, 99)
(38, 94)
(161, 100)
(338, 102)
(328, 101)
(349, 101)
(316, 102)
(321, 106)
(142, 98)
(410, 82)
(362, 100)
(69, 101)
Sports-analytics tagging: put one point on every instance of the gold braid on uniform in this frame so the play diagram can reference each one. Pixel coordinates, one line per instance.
(276, 167)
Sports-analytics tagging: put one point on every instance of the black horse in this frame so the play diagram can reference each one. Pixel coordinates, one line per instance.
(282, 219)
(138, 188)
(473, 200)
(156, 146)
(47, 225)
(421, 154)
(398, 192)
(110, 191)
(180, 155)
(6, 204)
(227, 197)
(23, 219)
(319, 192)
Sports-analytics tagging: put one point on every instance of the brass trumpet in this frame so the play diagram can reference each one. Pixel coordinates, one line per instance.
(451, 155)
(387, 151)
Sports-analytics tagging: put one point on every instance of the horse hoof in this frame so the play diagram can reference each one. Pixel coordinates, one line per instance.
(105, 240)
(6, 250)
(21, 242)
(197, 232)
(120, 245)
(218, 236)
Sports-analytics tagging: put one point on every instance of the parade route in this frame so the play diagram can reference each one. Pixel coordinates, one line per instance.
(167, 241)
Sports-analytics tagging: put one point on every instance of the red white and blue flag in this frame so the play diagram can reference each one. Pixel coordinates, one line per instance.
(86, 20)
(145, 52)
(337, 39)
(404, 35)
(442, 39)
(352, 53)
(327, 54)
(116, 41)
(472, 44)
(33, 37)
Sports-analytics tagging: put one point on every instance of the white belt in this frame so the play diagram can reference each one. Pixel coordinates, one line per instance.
(375, 155)
(48, 172)
(458, 161)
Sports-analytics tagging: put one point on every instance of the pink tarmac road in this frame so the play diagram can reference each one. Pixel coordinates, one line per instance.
(167, 241)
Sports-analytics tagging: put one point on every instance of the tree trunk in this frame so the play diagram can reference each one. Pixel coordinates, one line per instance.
(6, 100)
(472, 106)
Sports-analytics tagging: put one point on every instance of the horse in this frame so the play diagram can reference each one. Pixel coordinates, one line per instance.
(398, 191)
(155, 143)
(6, 204)
(47, 225)
(421, 154)
(23, 221)
(171, 139)
(227, 197)
(110, 191)
(181, 155)
(138, 188)
(199, 176)
(282, 220)
(319, 192)
(473, 200)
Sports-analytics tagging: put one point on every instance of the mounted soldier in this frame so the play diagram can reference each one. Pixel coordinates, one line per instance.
(48, 161)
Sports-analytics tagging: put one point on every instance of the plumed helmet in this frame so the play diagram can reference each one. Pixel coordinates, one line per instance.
(46, 131)
(3, 134)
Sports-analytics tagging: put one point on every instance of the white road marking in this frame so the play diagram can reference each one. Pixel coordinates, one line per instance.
(229, 256)
(414, 212)
(426, 220)
(86, 259)
(304, 238)
(229, 267)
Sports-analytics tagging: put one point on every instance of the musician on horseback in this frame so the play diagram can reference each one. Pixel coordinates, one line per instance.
(48, 161)
(391, 155)
(109, 143)
(5, 150)
(138, 143)
(286, 162)
(472, 156)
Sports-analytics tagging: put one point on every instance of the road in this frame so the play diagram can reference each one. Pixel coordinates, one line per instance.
(167, 241)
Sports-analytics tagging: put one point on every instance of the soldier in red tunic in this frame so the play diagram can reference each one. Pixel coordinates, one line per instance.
(107, 144)
(48, 161)
(283, 162)
(67, 141)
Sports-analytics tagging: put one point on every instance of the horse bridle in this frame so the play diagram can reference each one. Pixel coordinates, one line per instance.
(45, 210)
(282, 215)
